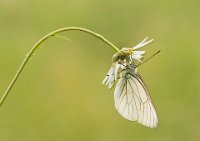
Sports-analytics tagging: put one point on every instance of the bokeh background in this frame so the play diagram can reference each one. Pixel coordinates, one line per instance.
(59, 95)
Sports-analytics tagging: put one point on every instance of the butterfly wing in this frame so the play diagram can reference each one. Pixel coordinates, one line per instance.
(133, 101)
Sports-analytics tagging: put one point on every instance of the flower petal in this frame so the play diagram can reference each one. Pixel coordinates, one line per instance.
(115, 71)
(112, 74)
(137, 57)
(143, 43)
(138, 52)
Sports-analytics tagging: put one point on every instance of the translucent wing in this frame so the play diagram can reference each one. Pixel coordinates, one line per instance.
(133, 102)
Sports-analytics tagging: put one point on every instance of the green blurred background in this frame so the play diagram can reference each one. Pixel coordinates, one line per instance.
(59, 95)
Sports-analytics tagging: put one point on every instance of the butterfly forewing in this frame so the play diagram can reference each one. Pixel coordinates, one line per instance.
(133, 102)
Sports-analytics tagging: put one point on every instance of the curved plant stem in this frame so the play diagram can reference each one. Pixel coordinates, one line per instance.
(38, 44)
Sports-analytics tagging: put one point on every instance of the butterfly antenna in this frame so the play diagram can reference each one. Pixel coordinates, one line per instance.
(148, 59)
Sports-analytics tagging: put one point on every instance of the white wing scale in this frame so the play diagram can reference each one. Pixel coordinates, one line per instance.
(133, 101)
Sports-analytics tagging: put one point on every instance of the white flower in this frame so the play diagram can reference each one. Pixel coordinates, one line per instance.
(138, 54)
(143, 43)
(122, 59)
(111, 76)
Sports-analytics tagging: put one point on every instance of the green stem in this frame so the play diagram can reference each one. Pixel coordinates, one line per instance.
(37, 45)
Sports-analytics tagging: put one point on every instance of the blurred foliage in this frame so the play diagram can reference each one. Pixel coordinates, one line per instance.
(59, 95)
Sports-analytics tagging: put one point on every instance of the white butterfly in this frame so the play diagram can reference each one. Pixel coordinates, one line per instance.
(132, 99)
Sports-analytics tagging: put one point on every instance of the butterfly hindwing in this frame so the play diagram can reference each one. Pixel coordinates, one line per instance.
(133, 101)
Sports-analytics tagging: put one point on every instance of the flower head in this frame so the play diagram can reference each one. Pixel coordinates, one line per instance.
(122, 58)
